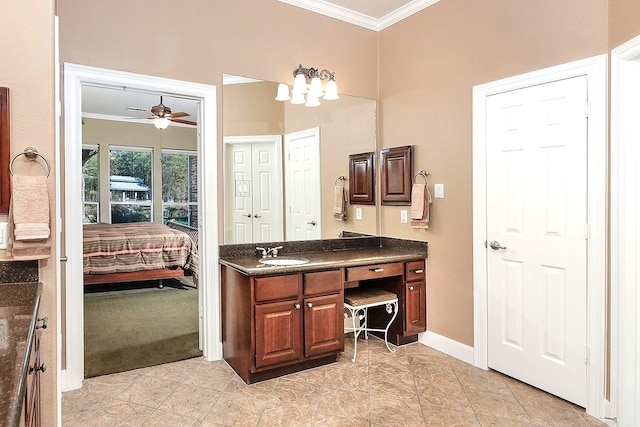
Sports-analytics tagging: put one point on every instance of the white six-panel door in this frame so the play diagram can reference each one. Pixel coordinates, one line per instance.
(253, 189)
(537, 219)
(302, 170)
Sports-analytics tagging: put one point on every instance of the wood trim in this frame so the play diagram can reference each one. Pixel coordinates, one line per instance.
(5, 150)
(134, 276)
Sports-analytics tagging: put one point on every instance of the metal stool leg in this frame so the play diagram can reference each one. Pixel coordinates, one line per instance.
(392, 306)
(355, 335)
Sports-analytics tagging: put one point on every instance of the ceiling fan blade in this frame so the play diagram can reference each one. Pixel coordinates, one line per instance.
(179, 114)
(186, 122)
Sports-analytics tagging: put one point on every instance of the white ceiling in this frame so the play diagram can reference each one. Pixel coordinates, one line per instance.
(372, 14)
(112, 103)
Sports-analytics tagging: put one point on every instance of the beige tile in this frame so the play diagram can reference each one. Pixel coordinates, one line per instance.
(312, 376)
(496, 404)
(354, 378)
(291, 414)
(393, 386)
(212, 375)
(235, 410)
(190, 400)
(559, 413)
(79, 405)
(479, 379)
(489, 421)
(294, 390)
(148, 391)
(262, 390)
(400, 412)
(435, 416)
(329, 420)
(344, 404)
(111, 385)
(120, 414)
(448, 395)
(162, 418)
(175, 371)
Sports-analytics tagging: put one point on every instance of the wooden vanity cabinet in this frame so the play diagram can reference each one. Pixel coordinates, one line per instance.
(276, 325)
(415, 295)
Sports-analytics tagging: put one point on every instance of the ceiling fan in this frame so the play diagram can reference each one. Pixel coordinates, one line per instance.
(161, 115)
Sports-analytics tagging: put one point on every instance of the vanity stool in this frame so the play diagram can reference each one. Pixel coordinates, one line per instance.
(357, 301)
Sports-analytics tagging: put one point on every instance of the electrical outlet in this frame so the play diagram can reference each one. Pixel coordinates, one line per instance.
(403, 216)
(359, 214)
(438, 190)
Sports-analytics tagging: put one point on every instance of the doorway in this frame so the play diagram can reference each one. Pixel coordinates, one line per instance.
(594, 69)
(76, 77)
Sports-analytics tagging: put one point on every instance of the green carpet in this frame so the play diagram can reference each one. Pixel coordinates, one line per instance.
(139, 327)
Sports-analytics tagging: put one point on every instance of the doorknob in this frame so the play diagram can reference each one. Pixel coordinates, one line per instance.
(495, 245)
(312, 223)
(257, 216)
(248, 215)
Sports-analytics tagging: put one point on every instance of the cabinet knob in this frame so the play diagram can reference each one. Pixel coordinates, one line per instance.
(297, 306)
(45, 323)
(41, 368)
(410, 288)
(309, 305)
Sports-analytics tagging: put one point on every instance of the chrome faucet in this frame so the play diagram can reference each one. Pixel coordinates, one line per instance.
(263, 252)
(273, 251)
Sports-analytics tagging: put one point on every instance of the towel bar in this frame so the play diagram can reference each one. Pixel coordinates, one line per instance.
(31, 154)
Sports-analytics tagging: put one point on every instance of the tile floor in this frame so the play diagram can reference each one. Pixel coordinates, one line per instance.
(416, 386)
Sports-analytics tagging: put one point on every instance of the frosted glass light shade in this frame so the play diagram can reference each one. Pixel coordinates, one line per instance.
(161, 123)
(316, 87)
(331, 91)
(299, 84)
(312, 100)
(283, 92)
(297, 98)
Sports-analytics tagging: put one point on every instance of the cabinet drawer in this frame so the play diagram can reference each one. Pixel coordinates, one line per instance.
(374, 271)
(415, 271)
(276, 287)
(322, 282)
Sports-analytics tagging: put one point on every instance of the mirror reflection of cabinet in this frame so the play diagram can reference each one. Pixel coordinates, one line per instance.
(361, 179)
(5, 151)
(396, 170)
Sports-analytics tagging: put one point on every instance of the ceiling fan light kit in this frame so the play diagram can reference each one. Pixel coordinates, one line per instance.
(309, 81)
(161, 116)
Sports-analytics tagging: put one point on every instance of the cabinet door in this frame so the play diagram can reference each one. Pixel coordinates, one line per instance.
(415, 314)
(278, 333)
(323, 324)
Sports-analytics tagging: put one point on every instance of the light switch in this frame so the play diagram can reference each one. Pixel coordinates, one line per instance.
(3, 235)
(438, 190)
(403, 216)
(359, 214)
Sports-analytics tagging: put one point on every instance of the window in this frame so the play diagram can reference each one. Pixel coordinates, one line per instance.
(131, 198)
(180, 186)
(91, 183)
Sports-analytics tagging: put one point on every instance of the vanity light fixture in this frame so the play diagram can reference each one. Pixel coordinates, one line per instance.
(309, 81)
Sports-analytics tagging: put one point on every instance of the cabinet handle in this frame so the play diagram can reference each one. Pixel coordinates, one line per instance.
(309, 305)
(418, 271)
(377, 270)
(297, 306)
(410, 288)
(45, 323)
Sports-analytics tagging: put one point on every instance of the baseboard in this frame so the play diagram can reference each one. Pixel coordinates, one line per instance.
(609, 414)
(447, 345)
(66, 384)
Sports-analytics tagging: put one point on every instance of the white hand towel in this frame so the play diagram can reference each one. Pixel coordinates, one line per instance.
(339, 203)
(424, 221)
(30, 203)
(418, 201)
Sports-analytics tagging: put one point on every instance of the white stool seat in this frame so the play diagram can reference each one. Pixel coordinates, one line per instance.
(357, 301)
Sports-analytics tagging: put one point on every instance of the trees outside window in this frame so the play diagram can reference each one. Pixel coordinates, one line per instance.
(179, 186)
(130, 184)
(91, 183)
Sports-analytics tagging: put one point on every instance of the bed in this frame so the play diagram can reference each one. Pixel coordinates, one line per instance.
(138, 251)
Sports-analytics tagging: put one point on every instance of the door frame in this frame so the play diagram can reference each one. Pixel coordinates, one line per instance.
(625, 155)
(290, 139)
(276, 141)
(76, 76)
(595, 68)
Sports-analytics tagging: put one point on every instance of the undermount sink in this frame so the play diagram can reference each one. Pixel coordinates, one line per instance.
(284, 261)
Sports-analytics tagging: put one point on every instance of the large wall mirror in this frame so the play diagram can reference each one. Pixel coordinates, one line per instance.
(282, 163)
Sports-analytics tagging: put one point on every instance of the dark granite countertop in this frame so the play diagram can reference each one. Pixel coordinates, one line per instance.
(382, 250)
(19, 303)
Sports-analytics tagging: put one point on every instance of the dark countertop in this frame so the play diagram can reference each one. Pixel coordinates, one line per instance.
(322, 260)
(19, 303)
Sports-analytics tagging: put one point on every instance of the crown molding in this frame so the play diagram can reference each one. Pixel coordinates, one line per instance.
(360, 19)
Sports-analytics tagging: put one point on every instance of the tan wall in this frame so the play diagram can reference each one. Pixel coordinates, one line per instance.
(251, 109)
(429, 63)
(624, 21)
(27, 70)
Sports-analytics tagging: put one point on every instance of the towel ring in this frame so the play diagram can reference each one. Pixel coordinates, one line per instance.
(31, 154)
(423, 174)
(340, 178)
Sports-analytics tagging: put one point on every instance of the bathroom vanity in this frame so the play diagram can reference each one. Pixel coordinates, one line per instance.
(278, 319)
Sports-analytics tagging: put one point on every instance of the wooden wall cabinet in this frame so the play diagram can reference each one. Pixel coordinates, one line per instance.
(362, 179)
(5, 151)
(396, 171)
